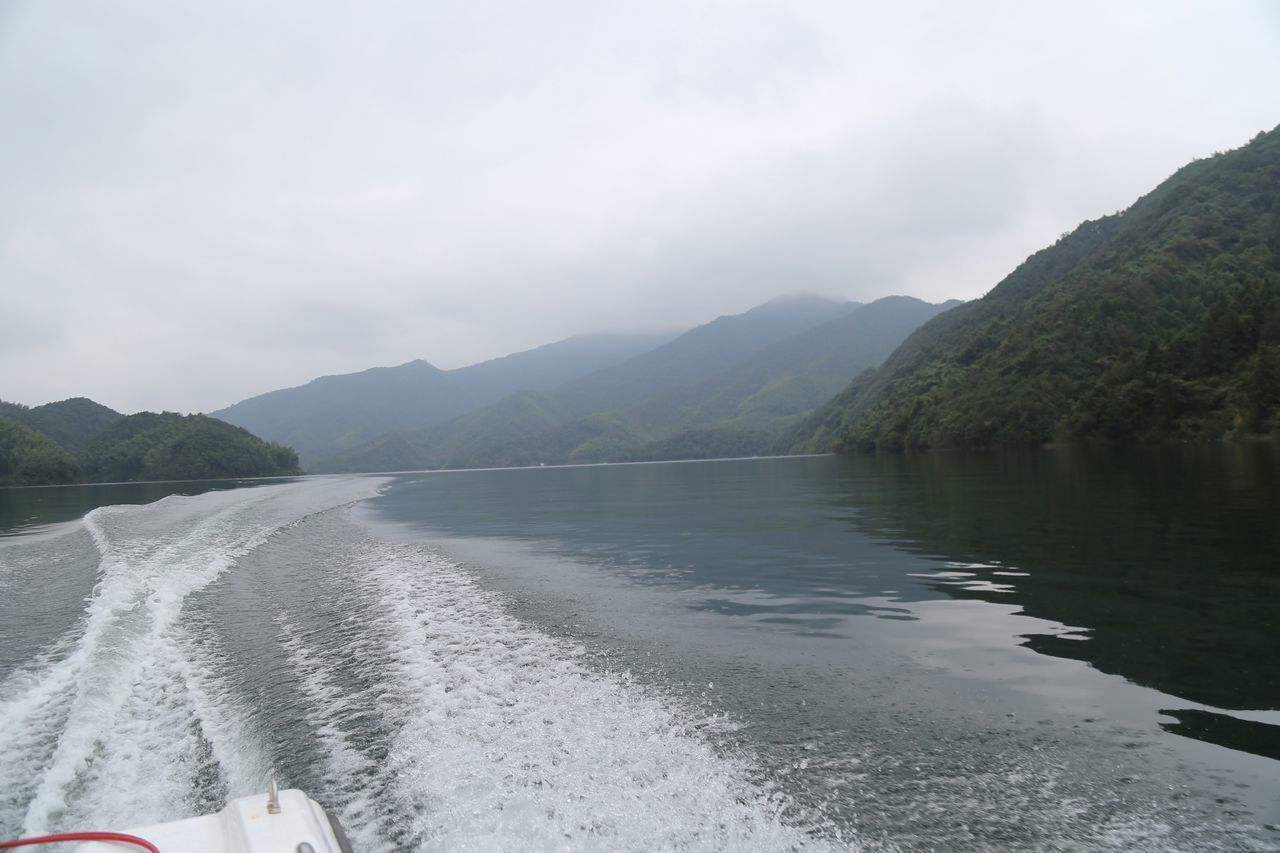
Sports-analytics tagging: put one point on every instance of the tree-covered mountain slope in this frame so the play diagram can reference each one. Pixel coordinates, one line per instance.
(78, 440)
(700, 354)
(1160, 322)
(702, 443)
(168, 446)
(28, 458)
(333, 414)
(462, 442)
(493, 435)
(730, 382)
(71, 423)
(336, 412)
(791, 376)
(733, 412)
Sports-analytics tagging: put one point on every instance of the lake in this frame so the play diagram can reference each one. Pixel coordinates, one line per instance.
(1058, 649)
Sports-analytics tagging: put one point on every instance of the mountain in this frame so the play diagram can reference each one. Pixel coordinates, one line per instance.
(720, 389)
(734, 411)
(335, 413)
(552, 365)
(793, 375)
(700, 353)
(702, 443)
(78, 440)
(70, 423)
(1161, 322)
(483, 437)
(28, 458)
(168, 446)
(457, 443)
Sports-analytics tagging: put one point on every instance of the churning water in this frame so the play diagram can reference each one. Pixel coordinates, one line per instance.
(743, 656)
(235, 633)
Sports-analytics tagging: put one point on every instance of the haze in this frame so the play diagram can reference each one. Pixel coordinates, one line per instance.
(205, 201)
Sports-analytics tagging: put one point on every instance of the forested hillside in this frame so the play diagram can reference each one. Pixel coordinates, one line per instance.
(28, 458)
(71, 423)
(700, 354)
(149, 446)
(79, 440)
(722, 389)
(1158, 323)
(790, 377)
(335, 412)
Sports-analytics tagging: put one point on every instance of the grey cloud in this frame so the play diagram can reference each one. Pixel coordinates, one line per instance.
(206, 201)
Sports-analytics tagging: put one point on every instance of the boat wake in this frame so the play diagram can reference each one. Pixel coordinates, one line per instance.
(238, 633)
(125, 720)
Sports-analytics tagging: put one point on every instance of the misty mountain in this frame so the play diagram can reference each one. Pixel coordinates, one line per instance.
(695, 355)
(793, 375)
(456, 443)
(1158, 323)
(335, 413)
(552, 365)
(700, 353)
(733, 381)
(736, 410)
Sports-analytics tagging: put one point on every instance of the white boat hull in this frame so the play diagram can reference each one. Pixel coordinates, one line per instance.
(245, 825)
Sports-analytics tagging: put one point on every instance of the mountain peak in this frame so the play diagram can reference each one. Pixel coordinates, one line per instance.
(802, 298)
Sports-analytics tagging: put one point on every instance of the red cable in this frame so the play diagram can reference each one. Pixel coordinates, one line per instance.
(119, 837)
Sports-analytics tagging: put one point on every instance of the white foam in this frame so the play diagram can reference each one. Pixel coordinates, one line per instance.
(494, 735)
(504, 741)
(348, 772)
(130, 725)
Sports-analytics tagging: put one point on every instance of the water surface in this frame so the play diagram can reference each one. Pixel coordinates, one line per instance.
(1047, 650)
(1114, 610)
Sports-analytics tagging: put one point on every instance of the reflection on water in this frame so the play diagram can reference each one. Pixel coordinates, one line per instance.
(946, 652)
(24, 510)
(1226, 730)
(1166, 557)
(1157, 565)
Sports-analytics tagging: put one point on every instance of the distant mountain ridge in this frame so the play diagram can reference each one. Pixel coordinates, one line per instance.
(1158, 323)
(701, 353)
(797, 373)
(335, 413)
(732, 382)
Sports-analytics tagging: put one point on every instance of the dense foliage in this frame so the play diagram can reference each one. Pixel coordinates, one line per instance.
(149, 446)
(70, 423)
(79, 440)
(28, 458)
(713, 443)
(1158, 323)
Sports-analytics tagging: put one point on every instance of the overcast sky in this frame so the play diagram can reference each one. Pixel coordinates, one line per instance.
(200, 202)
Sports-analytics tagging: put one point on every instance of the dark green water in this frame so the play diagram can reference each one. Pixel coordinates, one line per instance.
(1166, 561)
(1037, 651)
(918, 601)
(28, 510)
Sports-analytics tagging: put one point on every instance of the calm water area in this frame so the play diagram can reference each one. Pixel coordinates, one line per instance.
(1049, 650)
